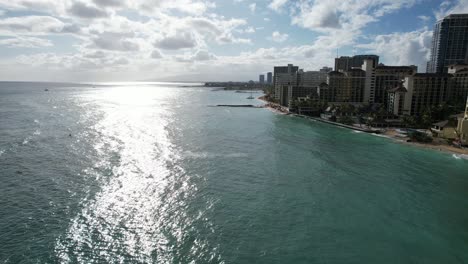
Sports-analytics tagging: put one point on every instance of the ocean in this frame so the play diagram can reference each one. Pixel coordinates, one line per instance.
(151, 173)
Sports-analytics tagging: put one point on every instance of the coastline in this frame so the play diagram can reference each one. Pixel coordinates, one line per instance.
(389, 133)
(437, 146)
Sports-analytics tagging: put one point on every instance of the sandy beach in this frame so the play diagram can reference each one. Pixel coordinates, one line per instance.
(392, 133)
(437, 144)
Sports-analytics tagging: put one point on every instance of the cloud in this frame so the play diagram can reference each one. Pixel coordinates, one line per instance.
(126, 37)
(276, 5)
(35, 25)
(341, 23)
(2, 12)
(424, 19)
(156, 54)
(249, 30)
(203, 55)
(46, 6)
(25, 42)
(252, 7)
(115, 41)
(402, 48)
(204, 25)
(179, 40)
(82, 10)
(278, 37)
(109, 3)
(186, 6)
(321, 16)
(100, 8)
(448, 7)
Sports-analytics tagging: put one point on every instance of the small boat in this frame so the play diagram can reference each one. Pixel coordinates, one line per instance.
(46, 90)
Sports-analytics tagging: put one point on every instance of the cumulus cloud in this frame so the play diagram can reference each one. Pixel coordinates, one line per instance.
(115, 41)
(319, 16)
(185, 32)
(341, 23)
(402, 48)
(35, 25)
(249, 30)
(109, 3)
(424, 19)
(179, 40)
(46, 6)
(350, 15)
(277, 4)
(252, 7)
(278, 37)
(451, 7)
(186, 6)
(156, 54)
(83, 10)
(203, 55)
(25, 42)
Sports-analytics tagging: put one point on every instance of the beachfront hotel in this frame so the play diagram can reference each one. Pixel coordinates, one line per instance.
(449, 43)
(343, 87)
(284, 79)
(423, 90)
(346, 63)
(401, 90)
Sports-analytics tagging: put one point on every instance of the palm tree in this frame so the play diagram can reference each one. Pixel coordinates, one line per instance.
(408, 121)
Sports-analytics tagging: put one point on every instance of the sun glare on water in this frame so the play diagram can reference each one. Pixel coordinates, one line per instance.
(139, 204)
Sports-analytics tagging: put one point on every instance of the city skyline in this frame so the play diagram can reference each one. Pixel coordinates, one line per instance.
(108, 40)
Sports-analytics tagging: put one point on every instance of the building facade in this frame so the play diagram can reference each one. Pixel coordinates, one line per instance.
(425, 90)
(343, 87)
(346, 63)
(396, 99)
(459, 82)
(462, 127)
(389, 77)
(284, 76)
(449, 43)
(269, 77)
(261, 78)
(326, 69)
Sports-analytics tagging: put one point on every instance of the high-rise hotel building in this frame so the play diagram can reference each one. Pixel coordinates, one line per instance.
(449, 43)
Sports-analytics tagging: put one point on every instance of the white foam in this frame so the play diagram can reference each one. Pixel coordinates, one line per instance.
(213, 155)
(379, 135)
(460, 156)
(26, 140)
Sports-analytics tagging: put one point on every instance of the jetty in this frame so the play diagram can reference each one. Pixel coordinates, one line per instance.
(235, 105)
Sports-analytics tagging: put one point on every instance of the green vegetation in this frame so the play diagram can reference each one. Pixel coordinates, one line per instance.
(420, 137)
(347, 120)
(430, 115)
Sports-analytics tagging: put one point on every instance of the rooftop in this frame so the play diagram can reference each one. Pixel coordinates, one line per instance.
(432, 75)
(399, 89)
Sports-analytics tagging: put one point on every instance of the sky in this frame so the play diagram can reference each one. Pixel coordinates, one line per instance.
(207, 40)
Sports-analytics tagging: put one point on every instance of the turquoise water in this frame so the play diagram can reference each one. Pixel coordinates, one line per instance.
(151, 174)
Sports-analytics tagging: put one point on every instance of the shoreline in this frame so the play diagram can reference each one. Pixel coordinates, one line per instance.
(389, 133)
(437, 146)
